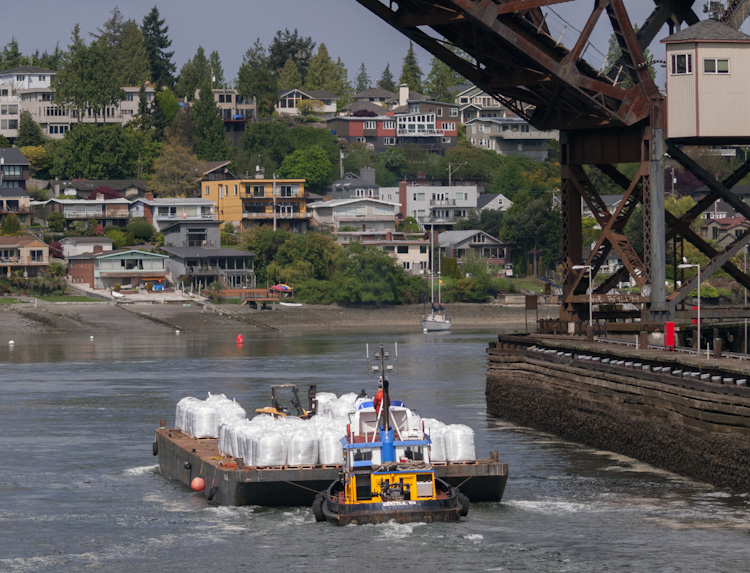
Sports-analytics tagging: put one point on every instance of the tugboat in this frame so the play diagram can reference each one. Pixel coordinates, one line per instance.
(387, 473)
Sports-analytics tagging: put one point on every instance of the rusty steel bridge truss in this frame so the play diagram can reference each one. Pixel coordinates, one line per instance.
(506, 48)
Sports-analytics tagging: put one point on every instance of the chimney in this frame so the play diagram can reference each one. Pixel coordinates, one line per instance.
(148, 196)
(367, 174)
(403, 94)
(259, 172)
(98, 249)
(388, 236)
(402, 198)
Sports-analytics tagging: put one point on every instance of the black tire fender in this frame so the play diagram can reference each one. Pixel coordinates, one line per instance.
(317, 508)
(155, 448)
(211, 493)
(463, 502)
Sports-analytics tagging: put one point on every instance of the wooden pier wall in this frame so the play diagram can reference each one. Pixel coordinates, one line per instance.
(649, 405)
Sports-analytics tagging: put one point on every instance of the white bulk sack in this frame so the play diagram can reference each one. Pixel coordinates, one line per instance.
(269, 449)
(330, 450)
(302, 447)
(459, 443)
(181, 412)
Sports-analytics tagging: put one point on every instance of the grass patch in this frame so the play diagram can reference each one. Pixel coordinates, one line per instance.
(66, 298)
(534, 285)
(11, 300)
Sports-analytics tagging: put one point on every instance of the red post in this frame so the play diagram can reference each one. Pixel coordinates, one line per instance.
(669, 335)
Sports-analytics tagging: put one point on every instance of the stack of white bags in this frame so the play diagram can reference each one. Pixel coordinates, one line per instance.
(291, 441)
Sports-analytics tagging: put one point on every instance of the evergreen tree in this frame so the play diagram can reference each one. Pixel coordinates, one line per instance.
(10, 225)
(411, 73)
(193, 74)
(145, 117)
(289, 77)
(157, 43)
(86, 78)
(439, 81)
(363, 80)
(132, 56)
(29, 132)
(208, 128)
(47, 61)
(325, 74)
(11, 57)
(217, 71)
(386, 80)
(287, 45)
(255, 79)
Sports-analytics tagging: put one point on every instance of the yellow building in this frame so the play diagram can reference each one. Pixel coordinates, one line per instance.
(278, 203)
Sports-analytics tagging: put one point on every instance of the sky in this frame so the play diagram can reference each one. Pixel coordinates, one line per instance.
(348, 30)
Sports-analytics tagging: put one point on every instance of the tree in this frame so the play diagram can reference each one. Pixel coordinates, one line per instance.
(157, 43)
(176, 171)
(93, 152)
(256, 79)
(38, 159)
(411, 73)
(11, 57)
(124, 43)
(386, 80)
(439, 81)
(4, 142)
(363, 80)
(208, 128)
(193, 74)
(87, 79)
(533, 227)
(10, 225)
(140, 228)
(29, 132)
(166, 109)
(311, 164)
(145, 118)
(368, 275)
(217, 71)
(322, 73)
(287, 45)
(289, 76)
(56, 222)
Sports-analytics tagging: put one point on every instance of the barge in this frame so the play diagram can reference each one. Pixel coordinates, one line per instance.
(229, 482)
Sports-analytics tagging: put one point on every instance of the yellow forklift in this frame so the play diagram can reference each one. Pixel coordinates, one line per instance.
(278, 406)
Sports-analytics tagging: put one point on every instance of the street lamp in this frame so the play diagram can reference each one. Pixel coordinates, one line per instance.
(686, 265)
(591, 292)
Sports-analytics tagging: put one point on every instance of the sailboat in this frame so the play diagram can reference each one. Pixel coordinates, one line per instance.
(436, 320)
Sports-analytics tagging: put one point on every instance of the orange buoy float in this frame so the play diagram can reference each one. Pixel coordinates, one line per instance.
(240, 340)
(198, 483)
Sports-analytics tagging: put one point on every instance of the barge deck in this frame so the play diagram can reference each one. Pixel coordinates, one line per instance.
(229, 482)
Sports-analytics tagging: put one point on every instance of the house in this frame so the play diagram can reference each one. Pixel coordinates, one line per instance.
(440, 206)
(351, 185)
(25, 254)
(126, 267)
(411, 254)
(14, 168)
(16, 201)
(708, 65)
(290, 99)
(474, 102)
(279, 203)
(193, 234)
(163, 212)
(84, 188)
(356, 213)
(724, 231)
(28, 88)
(378, 133)
(510, 136)
(377, 96)
(217, 171)
(459, 244)
(106, 212)
(73, 246)
(200, 267)
(493, 202)
(236, 111)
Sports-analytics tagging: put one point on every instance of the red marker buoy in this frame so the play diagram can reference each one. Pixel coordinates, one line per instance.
(240, 340)
(198, 483)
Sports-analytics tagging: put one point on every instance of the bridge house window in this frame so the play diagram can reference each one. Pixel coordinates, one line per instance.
(682, 64)
(715, 66)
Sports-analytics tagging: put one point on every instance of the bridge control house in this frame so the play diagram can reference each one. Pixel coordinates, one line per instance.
(708, 82)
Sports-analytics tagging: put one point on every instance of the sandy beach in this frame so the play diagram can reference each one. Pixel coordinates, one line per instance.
(73, 318)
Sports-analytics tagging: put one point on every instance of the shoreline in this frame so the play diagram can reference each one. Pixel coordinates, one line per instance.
(81, 318)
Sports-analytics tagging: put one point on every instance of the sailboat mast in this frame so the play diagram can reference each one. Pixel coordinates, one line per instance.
(432, 264)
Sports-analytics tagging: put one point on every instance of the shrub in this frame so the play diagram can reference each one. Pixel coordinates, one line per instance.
(149, 287)
(116, 287)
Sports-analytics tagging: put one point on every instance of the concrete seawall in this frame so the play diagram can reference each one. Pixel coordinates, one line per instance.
(648, 405)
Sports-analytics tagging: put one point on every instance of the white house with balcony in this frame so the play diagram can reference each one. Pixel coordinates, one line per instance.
(164, 212)
(362, 214)
(440, 206)
(510, 136)
(290, 99)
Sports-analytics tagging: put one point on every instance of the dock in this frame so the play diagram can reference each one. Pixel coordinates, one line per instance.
(676, 411)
